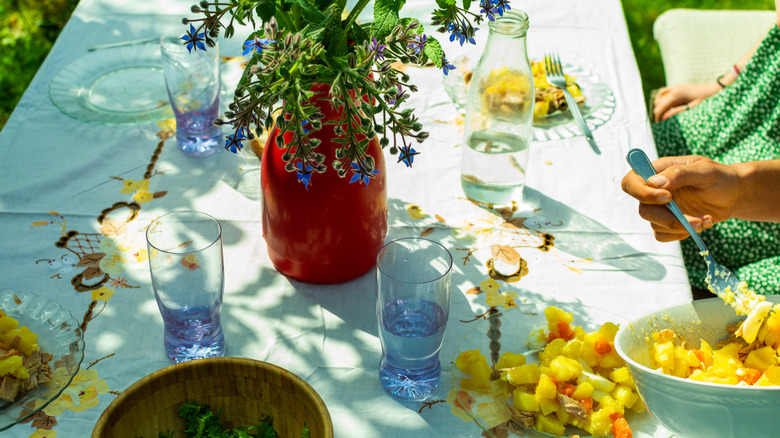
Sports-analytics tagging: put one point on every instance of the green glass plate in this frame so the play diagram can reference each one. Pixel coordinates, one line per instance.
(116, 86)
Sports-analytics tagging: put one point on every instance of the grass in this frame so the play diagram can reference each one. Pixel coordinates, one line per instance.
(28, 29)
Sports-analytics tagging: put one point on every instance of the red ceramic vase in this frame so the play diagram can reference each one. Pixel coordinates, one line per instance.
(333, 231)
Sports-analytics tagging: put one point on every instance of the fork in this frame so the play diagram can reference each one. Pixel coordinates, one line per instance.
(722, 282)
(552, 64)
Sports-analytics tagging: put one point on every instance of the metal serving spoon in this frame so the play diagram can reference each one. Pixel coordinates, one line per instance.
(722, 282)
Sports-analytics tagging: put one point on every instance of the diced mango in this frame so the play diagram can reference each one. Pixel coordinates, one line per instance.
(547, 406)
(7, 323)
(600, 423)
(546, 387)
(522, 375)
(582, 391)
(565, 369)
(621, 375)
(510, 360)
(663, 354)
(10, 364)
(27, 339)
(474, 364)
(550, 425)
(524, 401)
(624, 395)
(761, 358)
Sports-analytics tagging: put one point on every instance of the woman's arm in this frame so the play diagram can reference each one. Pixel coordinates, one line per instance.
(707, 192)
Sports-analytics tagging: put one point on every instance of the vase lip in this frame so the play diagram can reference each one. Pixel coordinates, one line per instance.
(514, 23)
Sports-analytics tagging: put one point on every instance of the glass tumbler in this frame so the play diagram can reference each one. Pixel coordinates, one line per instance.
(185, 259)
(499, 115)
(412, 307)
(193, 83)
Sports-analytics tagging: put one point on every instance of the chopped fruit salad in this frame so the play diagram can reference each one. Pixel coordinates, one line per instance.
(22, 364)
(503, 92)
(732, 361)
(579, 381)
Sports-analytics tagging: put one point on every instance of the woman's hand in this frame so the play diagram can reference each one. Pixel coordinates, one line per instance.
(677, 98)
(705, 191)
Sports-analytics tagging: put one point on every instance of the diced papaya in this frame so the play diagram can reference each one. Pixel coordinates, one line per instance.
(621, 429)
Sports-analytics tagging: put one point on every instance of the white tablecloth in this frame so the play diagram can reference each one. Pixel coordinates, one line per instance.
(58, 174)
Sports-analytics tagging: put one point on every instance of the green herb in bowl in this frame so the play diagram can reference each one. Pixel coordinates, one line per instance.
(201, 422)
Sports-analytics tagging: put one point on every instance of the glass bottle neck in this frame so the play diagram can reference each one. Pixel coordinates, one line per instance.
(508, 33)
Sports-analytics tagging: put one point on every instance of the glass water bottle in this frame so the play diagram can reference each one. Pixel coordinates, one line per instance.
(499, 115)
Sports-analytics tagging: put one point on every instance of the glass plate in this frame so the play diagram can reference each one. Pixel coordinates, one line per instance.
(117, 86)
(515, 326)
(597, 109)
(59, 334)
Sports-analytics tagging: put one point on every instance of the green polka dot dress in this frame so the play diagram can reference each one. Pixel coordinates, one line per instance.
(740, 123)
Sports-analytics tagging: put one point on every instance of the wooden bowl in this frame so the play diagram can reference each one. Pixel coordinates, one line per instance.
(245, 390)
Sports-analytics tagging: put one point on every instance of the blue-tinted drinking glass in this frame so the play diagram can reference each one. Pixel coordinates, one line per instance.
(412, 307)
(193, 82)
(188, 277)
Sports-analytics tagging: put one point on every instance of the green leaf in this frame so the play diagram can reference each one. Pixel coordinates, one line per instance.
(305, 433)
(385, 17)
(434, 51)
(446, 4)
(406, 21)
(311, 14)
(466, 4)
(265, 9)
(334, 37)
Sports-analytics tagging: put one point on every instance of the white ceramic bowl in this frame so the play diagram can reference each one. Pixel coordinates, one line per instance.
(688, 408)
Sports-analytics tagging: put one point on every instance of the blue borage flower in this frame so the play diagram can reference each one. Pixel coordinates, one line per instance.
(400, 95)
(361, 173)
(446, 66)
(194, 40)
(460, 32)
(257, 45)
(377, 49)
(406, 154)
(489, 9)
(233, 142)
(304, 176)
(418, 43)
(502, 5)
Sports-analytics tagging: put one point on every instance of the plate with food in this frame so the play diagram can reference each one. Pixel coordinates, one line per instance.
(548, 370)
(552, 119)
(41, 350)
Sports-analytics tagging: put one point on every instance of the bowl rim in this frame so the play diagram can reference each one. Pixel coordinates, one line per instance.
(714, 386)
(163, 373)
